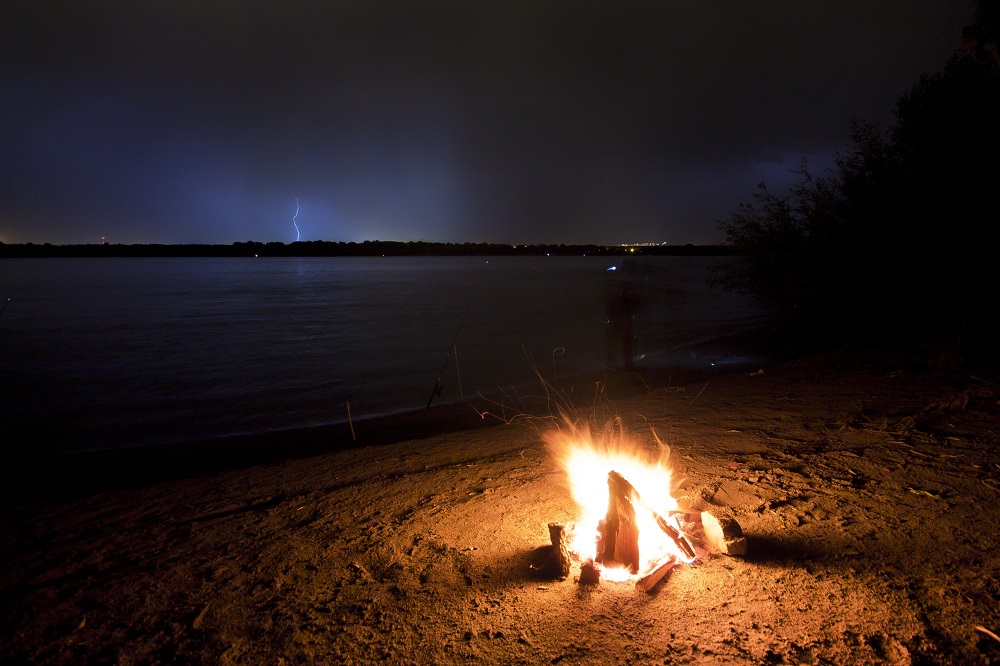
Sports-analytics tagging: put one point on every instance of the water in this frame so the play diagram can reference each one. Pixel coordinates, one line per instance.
(106, 353)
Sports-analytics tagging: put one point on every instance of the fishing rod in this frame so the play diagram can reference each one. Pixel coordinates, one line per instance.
(453, 350)
(4, 308)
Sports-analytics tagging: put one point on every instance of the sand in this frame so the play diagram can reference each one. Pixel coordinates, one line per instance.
(866, 484)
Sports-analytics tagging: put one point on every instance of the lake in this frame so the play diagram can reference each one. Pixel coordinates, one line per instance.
(102, 353)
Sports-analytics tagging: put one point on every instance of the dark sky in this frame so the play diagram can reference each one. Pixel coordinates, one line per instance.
(504, 121)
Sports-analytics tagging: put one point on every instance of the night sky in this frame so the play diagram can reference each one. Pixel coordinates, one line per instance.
(509, 122)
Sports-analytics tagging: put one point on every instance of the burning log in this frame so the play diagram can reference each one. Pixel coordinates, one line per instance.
(624, 493)
(621, 541)
(656, 574)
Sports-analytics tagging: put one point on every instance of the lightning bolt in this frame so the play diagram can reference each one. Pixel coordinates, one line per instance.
(295, 216)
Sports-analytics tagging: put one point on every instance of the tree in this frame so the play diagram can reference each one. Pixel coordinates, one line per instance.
(896, 240)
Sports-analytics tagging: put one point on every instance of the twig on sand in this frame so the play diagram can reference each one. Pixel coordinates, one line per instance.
(988, 633)
(699, 393)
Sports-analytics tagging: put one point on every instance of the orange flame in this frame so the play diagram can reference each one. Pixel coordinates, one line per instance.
(587, 459)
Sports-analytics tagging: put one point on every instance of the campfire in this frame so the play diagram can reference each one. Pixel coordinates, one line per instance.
(630, 528)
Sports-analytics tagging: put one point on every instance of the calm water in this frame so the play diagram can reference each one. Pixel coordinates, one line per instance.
(102, 353)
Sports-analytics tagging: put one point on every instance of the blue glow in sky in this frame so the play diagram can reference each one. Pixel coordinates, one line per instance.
(190, 122)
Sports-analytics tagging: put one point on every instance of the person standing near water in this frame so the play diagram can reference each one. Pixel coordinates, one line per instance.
(621, 302)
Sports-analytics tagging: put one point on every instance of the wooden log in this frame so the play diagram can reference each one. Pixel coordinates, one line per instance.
(675, 535)
(560, 554)
(622, 539)
(647, 582)
(723, 534)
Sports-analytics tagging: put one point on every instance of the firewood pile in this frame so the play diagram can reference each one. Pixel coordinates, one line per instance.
(694, 534)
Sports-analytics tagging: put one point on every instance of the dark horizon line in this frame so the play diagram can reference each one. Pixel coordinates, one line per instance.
(368, 248)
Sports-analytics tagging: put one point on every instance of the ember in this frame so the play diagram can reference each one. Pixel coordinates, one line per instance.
(631, 532)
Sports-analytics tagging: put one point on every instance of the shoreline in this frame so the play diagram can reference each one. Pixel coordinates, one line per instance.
(76, 474)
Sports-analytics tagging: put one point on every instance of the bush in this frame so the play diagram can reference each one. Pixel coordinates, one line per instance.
(894, 243)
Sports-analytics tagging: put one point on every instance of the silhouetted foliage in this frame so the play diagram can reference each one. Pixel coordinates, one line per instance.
(980, 38)
(894, 242)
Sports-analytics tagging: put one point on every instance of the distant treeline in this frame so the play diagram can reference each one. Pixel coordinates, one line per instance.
(366, 249)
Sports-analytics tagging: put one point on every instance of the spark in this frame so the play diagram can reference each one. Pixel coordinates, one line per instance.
(295, 216)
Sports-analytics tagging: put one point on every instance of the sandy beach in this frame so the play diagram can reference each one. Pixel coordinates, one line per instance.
(866, 485)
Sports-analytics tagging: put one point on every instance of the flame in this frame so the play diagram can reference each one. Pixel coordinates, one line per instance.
(586, 459)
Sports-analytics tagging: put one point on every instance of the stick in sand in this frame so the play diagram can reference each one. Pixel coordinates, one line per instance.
(453, 350)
